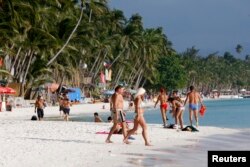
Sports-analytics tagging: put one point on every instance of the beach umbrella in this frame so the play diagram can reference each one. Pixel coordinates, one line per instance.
(7, 90)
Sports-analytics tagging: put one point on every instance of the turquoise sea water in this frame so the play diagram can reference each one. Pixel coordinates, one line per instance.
(230, 113)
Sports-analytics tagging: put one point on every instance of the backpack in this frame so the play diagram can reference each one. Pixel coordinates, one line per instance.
(34, 118)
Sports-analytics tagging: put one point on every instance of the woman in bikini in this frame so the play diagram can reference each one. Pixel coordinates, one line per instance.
(139, 118)
(163, 98)
(178, 108)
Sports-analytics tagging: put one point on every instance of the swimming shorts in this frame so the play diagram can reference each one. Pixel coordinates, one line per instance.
(164, 106)
(193, 106)
(60, 108)
(66, 111)
(120, 116)
(40, 113)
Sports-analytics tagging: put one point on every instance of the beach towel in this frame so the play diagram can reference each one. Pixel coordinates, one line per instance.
(190, 129)
(202, 110)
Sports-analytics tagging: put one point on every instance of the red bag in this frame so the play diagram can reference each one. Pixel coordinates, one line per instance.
(202, 110)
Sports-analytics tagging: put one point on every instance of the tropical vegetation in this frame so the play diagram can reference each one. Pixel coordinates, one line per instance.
(67, 41)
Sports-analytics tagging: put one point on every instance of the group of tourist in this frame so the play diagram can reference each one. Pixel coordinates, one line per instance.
(118, 116)
(177, 105)
(64, 106)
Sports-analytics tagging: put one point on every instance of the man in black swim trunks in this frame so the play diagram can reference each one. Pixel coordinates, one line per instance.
(39, 106)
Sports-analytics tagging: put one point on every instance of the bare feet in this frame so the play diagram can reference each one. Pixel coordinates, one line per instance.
(148, 144)
(108, 141)
(126, 141)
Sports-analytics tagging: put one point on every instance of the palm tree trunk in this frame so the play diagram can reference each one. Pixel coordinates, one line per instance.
(26, 72)
(138, 79)
(16, 57)
(100, 64)
(93, 66)
(119, 75)
(90, 15)
(70, 36)
(137, 74)
(117, 58)
(133, 71)
(22, 67)
(144, 82)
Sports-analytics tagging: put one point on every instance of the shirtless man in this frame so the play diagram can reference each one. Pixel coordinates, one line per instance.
(66, 108)
(118, 114)
(39, 106)
(193, 98)
(163, 98)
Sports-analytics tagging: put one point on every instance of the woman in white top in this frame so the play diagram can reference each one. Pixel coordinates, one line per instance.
(139, 118)
(178, 108)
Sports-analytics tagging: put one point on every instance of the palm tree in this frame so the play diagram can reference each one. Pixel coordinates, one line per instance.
(239, 48)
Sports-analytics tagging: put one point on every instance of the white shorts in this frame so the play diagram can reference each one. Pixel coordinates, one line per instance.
(119, 116)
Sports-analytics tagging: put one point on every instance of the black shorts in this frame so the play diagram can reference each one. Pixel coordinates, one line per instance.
(66, 111)
(40, 113)
(60, 108)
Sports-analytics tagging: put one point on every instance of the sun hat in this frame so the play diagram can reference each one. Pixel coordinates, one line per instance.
(139, 92)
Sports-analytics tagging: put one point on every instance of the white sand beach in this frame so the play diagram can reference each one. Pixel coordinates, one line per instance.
(71, 144)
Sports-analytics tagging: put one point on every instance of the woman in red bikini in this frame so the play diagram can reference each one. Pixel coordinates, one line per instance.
(163, 98)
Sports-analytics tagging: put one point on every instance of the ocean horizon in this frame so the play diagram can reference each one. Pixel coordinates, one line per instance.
(227, 113)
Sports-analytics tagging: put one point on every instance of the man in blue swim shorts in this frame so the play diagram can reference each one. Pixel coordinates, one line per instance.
(193, 98)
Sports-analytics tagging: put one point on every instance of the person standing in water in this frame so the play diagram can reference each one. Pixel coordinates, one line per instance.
(163, 98)
(193, 98)
(97, 118)
(139, 118)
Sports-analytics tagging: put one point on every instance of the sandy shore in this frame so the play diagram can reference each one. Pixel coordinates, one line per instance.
(72, 144)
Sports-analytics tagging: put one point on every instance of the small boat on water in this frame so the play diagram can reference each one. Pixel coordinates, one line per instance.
(225, 94)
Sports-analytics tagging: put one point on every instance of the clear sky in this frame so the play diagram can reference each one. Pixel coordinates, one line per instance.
(209, 25)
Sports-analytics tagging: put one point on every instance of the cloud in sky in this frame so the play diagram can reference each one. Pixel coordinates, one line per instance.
(209, 25)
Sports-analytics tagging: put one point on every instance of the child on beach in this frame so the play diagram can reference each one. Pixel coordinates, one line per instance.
(97, 118)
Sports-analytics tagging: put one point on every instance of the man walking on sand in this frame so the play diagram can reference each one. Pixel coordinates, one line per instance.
(193, 98)
(118, 114)
(163, 98)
